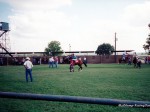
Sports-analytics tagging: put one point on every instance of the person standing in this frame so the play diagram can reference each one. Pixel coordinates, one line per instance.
(51, 62)
(56, 61)
(139, 63)
(85, 61)
(129, 61)
(28, 69)
(135, 62)
(124, 56)
(146, 60)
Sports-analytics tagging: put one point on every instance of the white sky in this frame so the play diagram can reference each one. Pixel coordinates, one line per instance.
(84, 24)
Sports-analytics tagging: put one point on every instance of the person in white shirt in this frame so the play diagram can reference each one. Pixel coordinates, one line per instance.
(85, 61)
(28, 68)
(51, 62)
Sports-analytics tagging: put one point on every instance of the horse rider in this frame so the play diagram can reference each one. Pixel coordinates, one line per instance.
(74, 58)
(124, 55)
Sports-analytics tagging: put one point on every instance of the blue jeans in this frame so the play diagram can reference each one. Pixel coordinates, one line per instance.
(29, 71)
(56, 64)
(51, 64)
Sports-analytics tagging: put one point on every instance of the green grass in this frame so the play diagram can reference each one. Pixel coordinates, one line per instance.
(98, 80)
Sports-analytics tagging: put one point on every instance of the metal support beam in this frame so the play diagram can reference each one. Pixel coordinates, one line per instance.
(88, 100)
(2, 33)
(6, 51)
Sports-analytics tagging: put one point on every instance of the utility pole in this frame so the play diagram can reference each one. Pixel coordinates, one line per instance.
(149, 37)
(115, 47)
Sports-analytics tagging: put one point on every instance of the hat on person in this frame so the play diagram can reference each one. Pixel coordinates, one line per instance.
(27, 58)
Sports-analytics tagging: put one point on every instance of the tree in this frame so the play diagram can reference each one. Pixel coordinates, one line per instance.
(104, 49)
(53, 48)
(147, 45)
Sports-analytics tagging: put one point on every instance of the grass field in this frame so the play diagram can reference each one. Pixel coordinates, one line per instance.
(97, 80)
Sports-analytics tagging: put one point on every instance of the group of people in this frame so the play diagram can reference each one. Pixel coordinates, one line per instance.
(136, 60)
(147, 60)
(53, 61)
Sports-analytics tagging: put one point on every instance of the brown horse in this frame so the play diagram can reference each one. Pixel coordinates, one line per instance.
(72, 62)
(76, 62)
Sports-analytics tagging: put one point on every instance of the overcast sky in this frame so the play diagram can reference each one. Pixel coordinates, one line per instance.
(84, 24)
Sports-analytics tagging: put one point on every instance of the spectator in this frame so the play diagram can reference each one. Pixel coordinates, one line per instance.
(139, 63)
(124, 55)
(149, 60)
(146, 60)
(129, 61)
(40, 61)
(56, 61)
(23, 60)
(85, 61)
(51, 62)
(134, 61)
(28, 68)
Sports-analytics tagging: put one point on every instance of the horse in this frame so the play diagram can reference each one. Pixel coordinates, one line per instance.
(68, 59)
